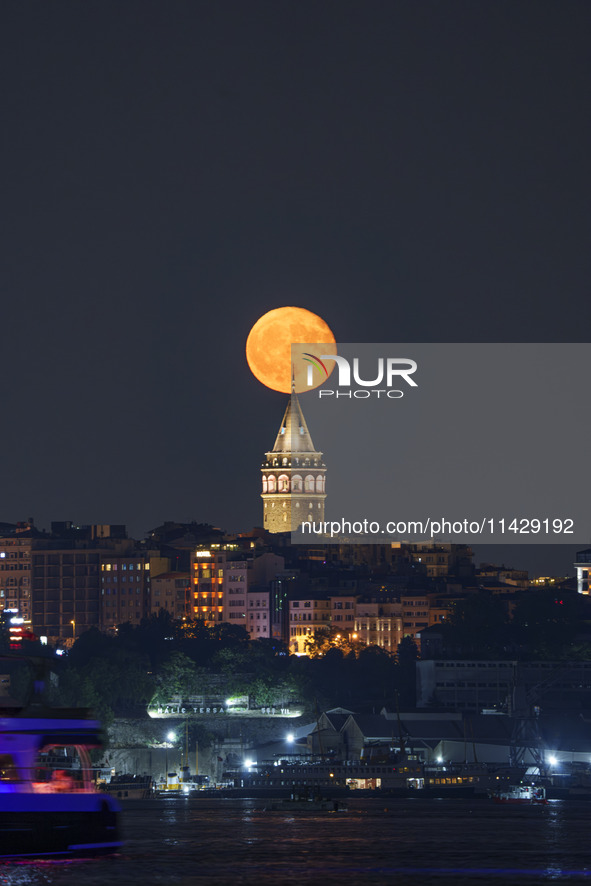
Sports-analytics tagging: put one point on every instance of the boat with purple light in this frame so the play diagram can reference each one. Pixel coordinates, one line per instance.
(49, 805)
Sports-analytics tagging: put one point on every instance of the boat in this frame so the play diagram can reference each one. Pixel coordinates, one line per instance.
(129, 787)
(406, 776)
(304, 801)
(521, 795)
(49, 805)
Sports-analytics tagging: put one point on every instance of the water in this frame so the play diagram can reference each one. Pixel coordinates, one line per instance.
(192, 841)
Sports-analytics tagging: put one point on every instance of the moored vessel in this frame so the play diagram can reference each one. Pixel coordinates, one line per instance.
(521, 795)
(306, 801)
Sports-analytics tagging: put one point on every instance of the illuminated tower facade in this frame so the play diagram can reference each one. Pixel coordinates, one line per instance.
(293, 475)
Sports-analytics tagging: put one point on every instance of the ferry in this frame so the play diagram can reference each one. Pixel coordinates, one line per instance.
(49, 806)
(405, 777)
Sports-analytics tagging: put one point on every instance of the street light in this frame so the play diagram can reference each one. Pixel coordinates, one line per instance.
(170, 737)
(73, 623)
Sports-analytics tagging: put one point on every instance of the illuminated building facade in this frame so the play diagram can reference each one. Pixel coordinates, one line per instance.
(293, 475)
(235, 589)
(219, 579)
(583, 570)
(125, 588)
(15, 575)
(306, 616)
(258, 615)
(379, 622)
(207, 575)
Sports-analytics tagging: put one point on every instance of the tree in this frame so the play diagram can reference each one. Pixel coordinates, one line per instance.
(407, 653)
(322, 640)
(176, 678)
(228, 634)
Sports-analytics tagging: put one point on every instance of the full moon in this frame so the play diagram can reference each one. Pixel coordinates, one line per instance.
(269, 349)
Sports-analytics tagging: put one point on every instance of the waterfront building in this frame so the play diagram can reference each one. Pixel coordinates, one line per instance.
(471, 685)
(583, 568)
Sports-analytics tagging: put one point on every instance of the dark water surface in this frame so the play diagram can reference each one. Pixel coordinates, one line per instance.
(185, 841)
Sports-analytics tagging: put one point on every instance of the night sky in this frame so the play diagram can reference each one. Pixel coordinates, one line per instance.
(411, 171)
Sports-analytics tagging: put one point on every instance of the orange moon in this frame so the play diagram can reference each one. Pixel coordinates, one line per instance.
(269, 348)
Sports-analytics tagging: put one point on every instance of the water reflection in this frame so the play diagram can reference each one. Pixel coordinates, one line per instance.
(188, 841)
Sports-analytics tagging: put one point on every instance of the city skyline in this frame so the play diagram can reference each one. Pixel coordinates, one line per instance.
(415, 173)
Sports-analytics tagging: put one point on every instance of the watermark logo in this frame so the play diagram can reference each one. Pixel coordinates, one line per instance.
(389, 370)
(314, 362)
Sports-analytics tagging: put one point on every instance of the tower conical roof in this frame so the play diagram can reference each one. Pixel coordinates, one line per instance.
(293, 435)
